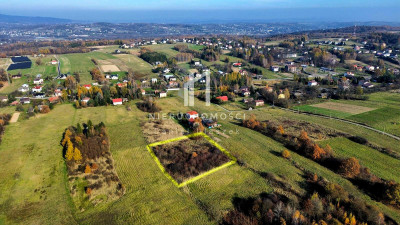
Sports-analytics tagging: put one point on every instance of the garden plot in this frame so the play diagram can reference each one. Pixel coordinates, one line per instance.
(188, 158)
(347, 108)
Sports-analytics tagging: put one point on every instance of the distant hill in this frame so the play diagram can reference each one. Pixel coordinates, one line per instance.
(32, 20)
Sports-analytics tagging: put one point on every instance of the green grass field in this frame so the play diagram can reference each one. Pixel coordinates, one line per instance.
(385, 116)
(380, 164)
(164, 48)
(82, 63)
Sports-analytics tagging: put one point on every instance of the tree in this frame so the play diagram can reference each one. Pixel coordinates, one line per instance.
(70, 83)
(318, 152)
(350, 167)
(281, 130)
(88, 169)
(286, 92)
(45, 109)
(393, 193)
(39, 61)
(77, 155)
(79, 128)
(198, 125)
(70, 151)
(286, 154)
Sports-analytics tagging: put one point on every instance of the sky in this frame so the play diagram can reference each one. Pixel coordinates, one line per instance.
(192, 11)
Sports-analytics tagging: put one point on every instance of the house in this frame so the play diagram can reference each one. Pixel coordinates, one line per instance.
(368, 85)
(167, 77)
(54, 62)
(163, 94)
(370, 68)
(38, 81)
(248, 100)
(222, 98)
(153, 80)
(3, 98)
(259, 102)
(62, 76)
(191, 115)
(349, 74)
(209, 123)
(57, 92)
(117, 101)
(25, 100)
(237, 64)
(143, 91)
(37, 89)
(54, 100)
(323, 95)
(274, 68)
(17, 76)
(39, 95)
(14, 103)
(312, 83)
(291, 68)
(85, 100)
(87, 86)
(114, 77)
(24, 88)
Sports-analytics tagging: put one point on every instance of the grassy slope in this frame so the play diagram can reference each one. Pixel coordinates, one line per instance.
(136, 63)
(380, 164)
(385, 117)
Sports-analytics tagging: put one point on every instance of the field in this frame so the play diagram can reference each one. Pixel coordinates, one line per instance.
(346, 108)
(136, 63)
(367, 157)
(81, 63)
(385, 115)
(34, 185)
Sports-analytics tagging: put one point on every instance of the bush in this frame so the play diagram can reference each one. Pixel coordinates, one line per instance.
(286, 154)
(350, 167)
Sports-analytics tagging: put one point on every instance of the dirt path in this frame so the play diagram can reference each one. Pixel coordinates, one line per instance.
(14, 117)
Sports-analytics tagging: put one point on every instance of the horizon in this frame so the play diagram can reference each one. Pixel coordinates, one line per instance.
(220, 11)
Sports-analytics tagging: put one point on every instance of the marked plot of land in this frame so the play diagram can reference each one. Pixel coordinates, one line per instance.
(347, 108)
(188, 158)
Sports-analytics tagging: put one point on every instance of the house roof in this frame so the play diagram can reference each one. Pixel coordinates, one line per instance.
(86, 99)
(37, 87)
(223, 98)
(87, 85)
(192, 113)
(53, 99)
(117, 100)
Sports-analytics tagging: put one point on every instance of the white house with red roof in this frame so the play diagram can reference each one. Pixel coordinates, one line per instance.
(54, 62)
(87, 86)
(85, 100)
(191, 115)
(37, 89)
(117, 101)
(57, 92)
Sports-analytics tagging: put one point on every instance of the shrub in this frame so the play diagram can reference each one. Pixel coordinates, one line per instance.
(286, 154)
(45, 109)
(350, 167)
(88, 169)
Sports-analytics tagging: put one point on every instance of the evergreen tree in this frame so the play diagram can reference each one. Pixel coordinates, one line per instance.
(79, 129)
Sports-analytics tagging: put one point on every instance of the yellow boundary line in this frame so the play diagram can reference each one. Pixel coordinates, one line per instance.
(233, 159)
